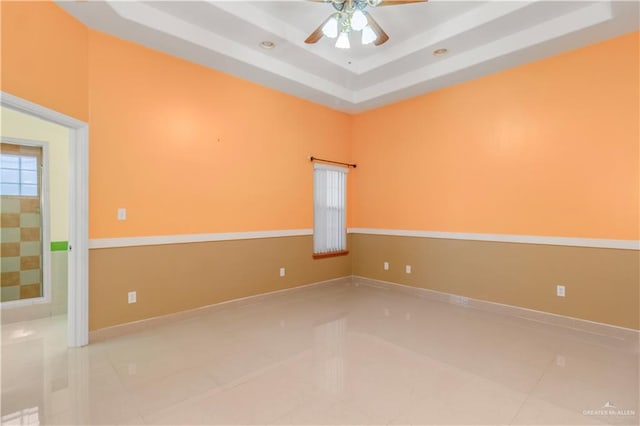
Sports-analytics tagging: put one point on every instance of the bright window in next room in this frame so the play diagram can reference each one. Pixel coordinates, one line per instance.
(329, 210)
(18, 175)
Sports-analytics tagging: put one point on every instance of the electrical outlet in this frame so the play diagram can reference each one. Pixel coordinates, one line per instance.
(386, 266)
(132, 297)
(282, 272)
(407, 269)
(560, 291)
(122, 214)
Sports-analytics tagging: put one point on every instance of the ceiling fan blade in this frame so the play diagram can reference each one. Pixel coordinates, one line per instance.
(317, 34)
(382, 36)
(329, 1)
(399, 2)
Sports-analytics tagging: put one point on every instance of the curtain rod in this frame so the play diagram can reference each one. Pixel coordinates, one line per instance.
(312, 158)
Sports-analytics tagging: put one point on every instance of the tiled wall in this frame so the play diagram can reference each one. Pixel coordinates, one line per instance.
(21, 248)
(20, 224)
(58, 303)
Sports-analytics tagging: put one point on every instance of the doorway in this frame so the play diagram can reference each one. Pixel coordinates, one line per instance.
(78, 235)
(24, 208)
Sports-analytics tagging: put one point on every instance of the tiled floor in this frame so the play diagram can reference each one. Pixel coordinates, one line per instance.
(325, 355)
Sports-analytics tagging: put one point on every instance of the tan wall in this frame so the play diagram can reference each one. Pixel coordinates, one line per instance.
(176, 277)
(601, 284)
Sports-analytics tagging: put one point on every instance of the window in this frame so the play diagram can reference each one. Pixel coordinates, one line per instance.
(329, 212)
(18, 175)
(27, 416)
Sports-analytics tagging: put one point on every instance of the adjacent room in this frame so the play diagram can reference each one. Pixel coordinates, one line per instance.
(320, 212)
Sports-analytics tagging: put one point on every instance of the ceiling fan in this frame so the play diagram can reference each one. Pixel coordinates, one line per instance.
(351, 15)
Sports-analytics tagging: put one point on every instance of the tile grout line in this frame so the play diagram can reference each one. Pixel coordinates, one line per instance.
(544, 371)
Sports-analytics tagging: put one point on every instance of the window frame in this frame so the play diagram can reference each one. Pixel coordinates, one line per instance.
(37, 170)
(342, 211)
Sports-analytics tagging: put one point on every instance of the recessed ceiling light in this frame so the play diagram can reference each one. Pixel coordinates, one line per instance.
(440, 52)
(267, 44)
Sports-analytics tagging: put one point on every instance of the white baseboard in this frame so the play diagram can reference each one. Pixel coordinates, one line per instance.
(582, 325)
(135, 326)
(592, 327)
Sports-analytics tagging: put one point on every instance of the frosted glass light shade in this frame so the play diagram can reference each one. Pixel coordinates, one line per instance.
(343, 41)
(330, 29)
(368, 35)
(358, 20)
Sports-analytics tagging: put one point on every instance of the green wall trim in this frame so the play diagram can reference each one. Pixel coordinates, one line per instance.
(59, 245)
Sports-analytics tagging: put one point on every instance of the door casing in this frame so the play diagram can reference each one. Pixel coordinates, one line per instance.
(78, 278)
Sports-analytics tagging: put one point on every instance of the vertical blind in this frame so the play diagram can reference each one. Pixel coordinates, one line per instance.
(329, 208)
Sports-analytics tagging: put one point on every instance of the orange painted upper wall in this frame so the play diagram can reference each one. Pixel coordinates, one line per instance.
(548, 148)
(44, 56)
(190, 150)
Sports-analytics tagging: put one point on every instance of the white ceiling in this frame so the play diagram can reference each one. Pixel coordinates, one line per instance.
(482, 37)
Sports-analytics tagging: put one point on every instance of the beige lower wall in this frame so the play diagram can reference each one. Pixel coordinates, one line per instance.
(59, 280)
(602, 285)
(176, 277)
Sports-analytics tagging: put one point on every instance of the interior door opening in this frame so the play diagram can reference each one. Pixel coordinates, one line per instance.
(58, 239)
(24, 208)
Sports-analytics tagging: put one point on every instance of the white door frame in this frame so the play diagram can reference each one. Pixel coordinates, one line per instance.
(78, 308)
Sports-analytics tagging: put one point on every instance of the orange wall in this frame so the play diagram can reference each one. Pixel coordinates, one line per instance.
(44, 56)
(184, 148)
(548, 148)
(190, 150)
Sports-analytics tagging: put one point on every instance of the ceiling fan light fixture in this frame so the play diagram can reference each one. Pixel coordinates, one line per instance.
(343, 41)
(358, 20)
(368, 35)
(330, 29)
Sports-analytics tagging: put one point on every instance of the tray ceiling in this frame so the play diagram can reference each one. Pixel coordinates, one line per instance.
(482, 37)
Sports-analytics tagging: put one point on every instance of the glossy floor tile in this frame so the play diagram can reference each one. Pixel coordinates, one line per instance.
(333, 354)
